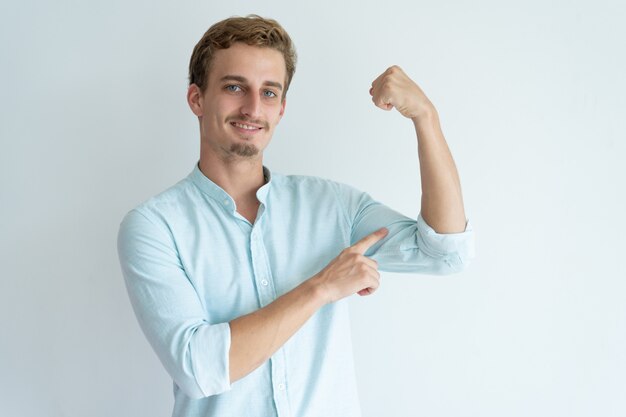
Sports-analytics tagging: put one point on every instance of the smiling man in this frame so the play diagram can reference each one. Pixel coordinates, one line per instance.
(227, 109)
(239, 276)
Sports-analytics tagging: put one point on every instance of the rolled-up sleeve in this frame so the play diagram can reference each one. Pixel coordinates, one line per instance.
(193, 350)
(411, 245)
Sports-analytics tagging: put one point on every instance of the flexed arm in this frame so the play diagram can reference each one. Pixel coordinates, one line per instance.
(442, 201)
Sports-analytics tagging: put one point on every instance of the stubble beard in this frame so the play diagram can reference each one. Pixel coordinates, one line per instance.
(244, 150)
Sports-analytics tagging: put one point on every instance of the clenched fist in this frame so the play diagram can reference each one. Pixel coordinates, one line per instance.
(393, 88)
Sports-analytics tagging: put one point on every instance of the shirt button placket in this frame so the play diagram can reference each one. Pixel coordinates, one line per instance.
(266, 294)
(265, 290)
(280, 387)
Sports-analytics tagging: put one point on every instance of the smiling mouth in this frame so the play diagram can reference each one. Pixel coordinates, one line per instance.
(245, 126)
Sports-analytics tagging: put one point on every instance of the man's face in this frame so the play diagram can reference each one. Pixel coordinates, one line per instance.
(242, 102)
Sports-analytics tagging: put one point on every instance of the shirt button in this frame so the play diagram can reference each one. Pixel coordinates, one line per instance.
(226, 202)
(281, 386)
(264, 282)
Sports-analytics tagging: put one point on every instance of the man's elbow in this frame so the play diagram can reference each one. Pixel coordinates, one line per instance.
(196, 390)
(451, 264)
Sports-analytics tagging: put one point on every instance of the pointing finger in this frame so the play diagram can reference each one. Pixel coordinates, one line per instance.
(368, 241)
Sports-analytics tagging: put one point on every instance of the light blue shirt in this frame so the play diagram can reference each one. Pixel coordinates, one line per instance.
(191, 264)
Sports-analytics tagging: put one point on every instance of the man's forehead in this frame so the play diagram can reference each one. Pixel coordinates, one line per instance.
(246, 60)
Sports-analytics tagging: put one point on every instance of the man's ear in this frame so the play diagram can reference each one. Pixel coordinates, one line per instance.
(194, 99)
(282, 107)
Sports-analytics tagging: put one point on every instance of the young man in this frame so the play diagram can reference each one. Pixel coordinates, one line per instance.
(239, 276)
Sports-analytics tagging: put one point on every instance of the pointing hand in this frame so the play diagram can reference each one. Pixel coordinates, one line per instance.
(351, 272)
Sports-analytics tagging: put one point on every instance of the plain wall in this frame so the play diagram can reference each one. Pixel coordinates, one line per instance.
(532, 99)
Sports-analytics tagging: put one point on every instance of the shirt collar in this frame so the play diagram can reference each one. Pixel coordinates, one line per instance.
(216, 192)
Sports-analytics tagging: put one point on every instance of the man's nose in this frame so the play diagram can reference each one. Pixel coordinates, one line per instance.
(251, 106)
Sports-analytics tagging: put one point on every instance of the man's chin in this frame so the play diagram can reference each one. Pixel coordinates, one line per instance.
(245, 150)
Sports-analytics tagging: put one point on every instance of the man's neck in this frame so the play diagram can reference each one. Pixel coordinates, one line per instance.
(240, 178)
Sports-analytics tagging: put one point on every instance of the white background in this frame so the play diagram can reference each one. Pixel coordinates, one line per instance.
(93, 120)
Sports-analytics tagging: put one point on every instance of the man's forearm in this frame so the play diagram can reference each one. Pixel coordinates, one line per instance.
(256, 336)
(442, 203)
(442, 200)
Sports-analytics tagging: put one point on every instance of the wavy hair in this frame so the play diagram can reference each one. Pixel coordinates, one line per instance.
(253, 30)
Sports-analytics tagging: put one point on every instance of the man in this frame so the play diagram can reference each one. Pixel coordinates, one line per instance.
(239, 276)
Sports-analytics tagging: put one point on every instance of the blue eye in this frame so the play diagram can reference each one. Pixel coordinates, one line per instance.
(269, 93)
(233, 88)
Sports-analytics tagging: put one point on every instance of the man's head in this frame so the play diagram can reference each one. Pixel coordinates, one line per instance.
(238, 79)
(252, 30)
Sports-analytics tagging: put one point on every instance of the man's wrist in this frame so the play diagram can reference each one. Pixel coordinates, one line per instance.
(316, 291)
(426, 115)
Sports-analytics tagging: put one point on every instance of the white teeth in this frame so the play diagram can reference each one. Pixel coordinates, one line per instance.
(245, 126)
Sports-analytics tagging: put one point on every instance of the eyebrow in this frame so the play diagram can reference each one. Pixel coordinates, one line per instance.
(241, 79)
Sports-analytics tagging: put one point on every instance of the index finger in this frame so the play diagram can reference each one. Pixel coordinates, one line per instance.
(368, 241)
